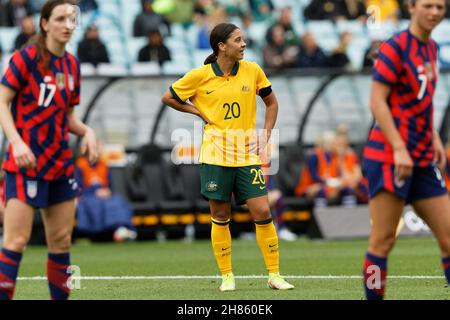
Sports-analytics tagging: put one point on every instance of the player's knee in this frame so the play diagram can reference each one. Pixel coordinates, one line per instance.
(382, 244)
(262, 213)
(16, 243)
(221, 215)
(60, 242)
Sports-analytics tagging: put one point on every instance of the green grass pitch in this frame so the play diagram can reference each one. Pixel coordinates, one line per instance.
(305, 258)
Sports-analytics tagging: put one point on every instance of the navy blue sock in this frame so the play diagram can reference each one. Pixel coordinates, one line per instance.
(446, 265)
(375, 272)
(9, 268)
(57, 275)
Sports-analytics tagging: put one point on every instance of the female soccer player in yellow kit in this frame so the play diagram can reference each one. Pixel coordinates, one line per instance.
(223, 93)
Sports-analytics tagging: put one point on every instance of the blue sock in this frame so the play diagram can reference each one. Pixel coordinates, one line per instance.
(446, 265)
(375, 272)
(9, 268)
(57, 275)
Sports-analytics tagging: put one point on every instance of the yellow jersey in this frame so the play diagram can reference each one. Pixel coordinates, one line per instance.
(228, 102)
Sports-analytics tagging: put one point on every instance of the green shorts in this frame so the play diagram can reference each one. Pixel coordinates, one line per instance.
(219, 183)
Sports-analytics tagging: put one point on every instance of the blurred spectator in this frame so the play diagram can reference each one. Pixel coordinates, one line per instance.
(16, 11)
(36, 5)
(183, 13)
(332, 173)
(91, 49)
(28, 30)
(201, 20)
(285, 21)
(99, 210)
(86, 5)
(372, 53)
(247, 21)
(338, 57)
(325, 10)
(310, 54)
(207, 14)
(276, 53)
(386, 10)
(234, 7)
(403, 7)
(355, 9)
(148, 20)
(353, 182)
(155, 50)
(261, 9)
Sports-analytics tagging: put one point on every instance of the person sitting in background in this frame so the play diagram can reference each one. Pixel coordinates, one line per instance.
(261, 9)
(285, 22)
(148, 20)
(36, 5)
(247, 21)
(86, 5)
(28, 30)
(338, 58)
(372, 53)
(355, 185)
(201, 21)
(155, 50)
(99, 210)
(91, 49)
(355, 9)
(325, 10)
(276, 53)
(332, 173)
(310, 54)
(15, 11)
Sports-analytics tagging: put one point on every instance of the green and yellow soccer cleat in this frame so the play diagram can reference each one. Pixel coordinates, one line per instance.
(277, 282)
(228, 283)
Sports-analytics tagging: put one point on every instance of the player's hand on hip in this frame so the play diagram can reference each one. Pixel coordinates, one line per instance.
(89, 145)
(403, 164)
(23, 156)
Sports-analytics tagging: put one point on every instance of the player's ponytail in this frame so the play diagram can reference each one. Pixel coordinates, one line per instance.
(211, 58)
(219, 34)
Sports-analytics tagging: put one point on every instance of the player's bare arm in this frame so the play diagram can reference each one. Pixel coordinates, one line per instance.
(382, 114)
(170, 101)
(439, 152)
(271, 113)
(89, 141)
(23, 156)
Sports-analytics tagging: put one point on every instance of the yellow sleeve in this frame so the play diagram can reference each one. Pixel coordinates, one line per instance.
(261, 79)
(186, 87)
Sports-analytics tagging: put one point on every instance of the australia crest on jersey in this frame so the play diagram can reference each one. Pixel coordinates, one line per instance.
(61, 80)
(32, 189)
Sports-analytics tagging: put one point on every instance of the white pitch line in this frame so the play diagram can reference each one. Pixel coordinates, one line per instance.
(313, 277)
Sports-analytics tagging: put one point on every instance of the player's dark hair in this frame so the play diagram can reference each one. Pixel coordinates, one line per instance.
(39, 39)
(219, 34)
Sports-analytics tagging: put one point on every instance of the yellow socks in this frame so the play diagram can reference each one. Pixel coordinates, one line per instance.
(267, 238)
(221, 243)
